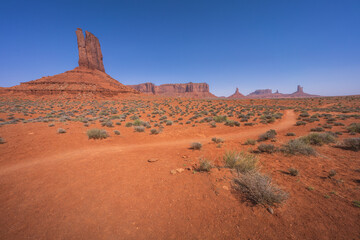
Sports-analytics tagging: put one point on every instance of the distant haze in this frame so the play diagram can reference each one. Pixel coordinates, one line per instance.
(227, 44)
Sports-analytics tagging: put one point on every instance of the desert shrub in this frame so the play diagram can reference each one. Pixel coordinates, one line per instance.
(332, 173)
(297, 146)
(318, 138)
(128, 124)
(196, 146)
(154, 131)
(2, 141)
(350, 144)
(259, 189)
(107, 124)
(95, 133)
(240, 161)
(213, 124)
(205, 165)
(356, 204)
(327, 126)
(118, 123)
(61, 130)
(117, 132)
(354, 128)
(268, 135)
(51, 125)
(317, 129)
(220, 119)
(250, 142)
(268, 148)
(339, 124)
(300, 123)
(290, 134)
(169, 123)
(293, 171)
(139, 129)
(217, 140)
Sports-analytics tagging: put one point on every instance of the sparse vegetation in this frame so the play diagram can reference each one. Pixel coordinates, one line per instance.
(293, 171)
(97, 133)
(61, 130)
(267, 148)
(268, 135)
(205, 165)
(240, 161)
(350, 144)
(259, 189)
(196, 146)
(250, 142)
(297, 146)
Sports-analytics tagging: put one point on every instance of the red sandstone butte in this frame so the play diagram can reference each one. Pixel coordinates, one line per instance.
(195, 90)
(236, 95)
(87, 80)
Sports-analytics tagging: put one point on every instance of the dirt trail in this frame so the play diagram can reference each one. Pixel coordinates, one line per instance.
(286, 122)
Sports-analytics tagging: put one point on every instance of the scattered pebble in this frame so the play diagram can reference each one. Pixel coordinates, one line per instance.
(270, 210)
(153, 160)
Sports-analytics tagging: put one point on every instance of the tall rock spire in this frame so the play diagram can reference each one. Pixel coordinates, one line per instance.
(90, 55)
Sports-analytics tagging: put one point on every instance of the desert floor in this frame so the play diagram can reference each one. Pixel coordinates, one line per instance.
(66, 186)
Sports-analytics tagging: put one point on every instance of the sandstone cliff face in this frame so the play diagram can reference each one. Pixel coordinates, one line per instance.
(236, 95)
(90, 55)
(198, 90)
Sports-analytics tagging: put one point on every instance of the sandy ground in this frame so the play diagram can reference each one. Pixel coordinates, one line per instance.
(64, 186)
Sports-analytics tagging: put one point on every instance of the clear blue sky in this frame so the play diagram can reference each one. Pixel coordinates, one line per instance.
(250, 44)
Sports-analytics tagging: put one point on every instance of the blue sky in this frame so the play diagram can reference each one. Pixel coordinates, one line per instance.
(253, 44)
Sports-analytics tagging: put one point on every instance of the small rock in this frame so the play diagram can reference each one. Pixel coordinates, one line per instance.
(173, 172)
(226, 188)
(153, 160)
(180, 170)
(184, 156)
(270, 210)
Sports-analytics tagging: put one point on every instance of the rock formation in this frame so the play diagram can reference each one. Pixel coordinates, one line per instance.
(300, 93)
(89, 79)
(267, 93)
(261, 92)
(197, 90)
(236, 95)
(90, 55)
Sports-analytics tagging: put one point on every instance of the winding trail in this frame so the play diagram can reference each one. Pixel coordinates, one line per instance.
(287, 121)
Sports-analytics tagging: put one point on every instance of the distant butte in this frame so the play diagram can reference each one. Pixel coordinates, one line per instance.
(236, 95)
(192, 90)
(87, 80)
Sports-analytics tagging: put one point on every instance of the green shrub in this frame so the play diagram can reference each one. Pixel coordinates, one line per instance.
(268, 135)
(217, 140)
(220, 119)
(297, 146)
(350, 144)
(128, 124)
(290, 134)
(318, 138)
(317, 129)
(293, 171)
(300, 123)
(354, 128)
(205, 165)
(97, 133)
(117, 132)
(154, 131)
(107, 124)
(259, 189)
(240, 161)
(139, 129)
(268, 148)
